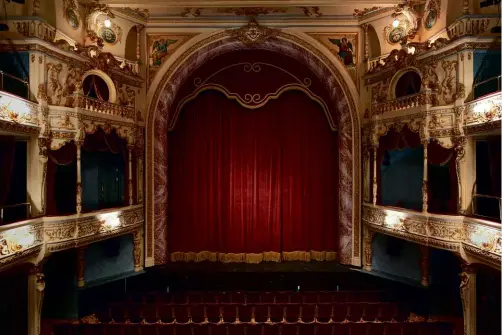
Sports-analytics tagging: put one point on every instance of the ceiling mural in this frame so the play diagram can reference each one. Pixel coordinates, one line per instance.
(342, 45)
(160, 47)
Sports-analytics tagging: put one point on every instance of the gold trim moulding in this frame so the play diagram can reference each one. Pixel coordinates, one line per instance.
(25, 240)
(481, 239)
(253, 258)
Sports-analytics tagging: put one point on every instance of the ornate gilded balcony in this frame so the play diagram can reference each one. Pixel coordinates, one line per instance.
(472, 238)
(103, 107)
(37, 238)
(406, 102)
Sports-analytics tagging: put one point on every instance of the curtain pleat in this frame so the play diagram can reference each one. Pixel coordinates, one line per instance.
(252, 185)
(64, 156)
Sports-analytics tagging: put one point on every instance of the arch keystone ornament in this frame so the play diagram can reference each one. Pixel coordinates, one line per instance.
(172, 74)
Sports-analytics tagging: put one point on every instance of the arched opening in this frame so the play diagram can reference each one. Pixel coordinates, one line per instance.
(341, 96)
(409, 83)
(252, 179)
(95, 87)
(374, 43)
(131, 44)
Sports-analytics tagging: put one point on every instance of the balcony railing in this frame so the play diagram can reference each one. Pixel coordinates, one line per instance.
(487, 206)
(406, 102)
(14, 85)
(487, 86)
(104, 107)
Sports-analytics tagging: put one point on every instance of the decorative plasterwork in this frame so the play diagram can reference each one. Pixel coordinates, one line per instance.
(77, 230)
(365, 11)
(17, 110)
(459, 234)
(22, 241)
(253, 33)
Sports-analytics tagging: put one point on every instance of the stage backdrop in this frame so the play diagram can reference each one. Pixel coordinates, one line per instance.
(252, 177)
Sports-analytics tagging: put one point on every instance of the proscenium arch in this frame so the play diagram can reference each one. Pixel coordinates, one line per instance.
(193, 54)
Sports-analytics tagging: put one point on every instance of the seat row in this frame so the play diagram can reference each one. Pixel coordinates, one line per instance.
(257, 313)
(262, 297)
(406, 328)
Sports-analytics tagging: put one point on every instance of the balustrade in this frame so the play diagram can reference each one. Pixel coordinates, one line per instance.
(104, 107)
(406, 102)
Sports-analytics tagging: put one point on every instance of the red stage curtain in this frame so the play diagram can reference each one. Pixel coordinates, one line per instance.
(393, 140)
(437, 155)
(66, 155)
(7, 151)
(246, 185)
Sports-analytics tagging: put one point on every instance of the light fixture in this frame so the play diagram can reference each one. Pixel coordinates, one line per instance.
(395, 24)
(108, 23)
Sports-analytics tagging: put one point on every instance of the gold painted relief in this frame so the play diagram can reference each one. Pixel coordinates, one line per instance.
(343, 46)
(160, 47)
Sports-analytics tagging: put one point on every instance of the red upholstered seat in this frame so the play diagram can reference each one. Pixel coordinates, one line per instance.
(310, 298)
(238, 297)
(359, 328)
(179, 298)
(253, 330)
(114, 329)
(94, 329)
(376, 328)
(224, 298)
(218, 330)
(195, 298)
(229, 312)
(197, 313)
(292, 312)
(203, 329)
(401, 313)
(325, 297)
(282, 297)
(104, 315)
(149, 330)
(261, 313)
(339, 312)
(393, 328)
(276, 312)
(324, 329)
(165, 329)
(308, 312)
(213, 313)
(135, 312)
(372, 296)
(267, 298)
(252, 298)
(340, 296)
(64, 329)
(149, 312)
(289, 329)
(411, 328)
(245, 312)
(370, 311)
(341, 328)
(270, 329)
(166, 313)
(355, 312)
(296, 297)
(119, 312)
(181, 313)
(210, 298)
(131, 329)
(325, 312)
(180, 329)
(386, 312)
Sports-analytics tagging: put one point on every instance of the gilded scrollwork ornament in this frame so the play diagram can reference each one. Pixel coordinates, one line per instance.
(253, 33)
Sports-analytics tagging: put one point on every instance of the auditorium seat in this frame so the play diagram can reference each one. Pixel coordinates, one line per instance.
(296, 297)
(252, 298)
(339, 313)
(276, 312)
(325, 312)
(252, 330)
(166, 313)
(135, 312)
(376, 328)
(261, 313)
(131, 329)
(181, 313)
(198, 313)
(149, 330)
(166, 330)
(308, 312)
(370, 311)
(354, 312)
(292, 312)
(195, 298)
(179, 329)
(359, 328)
(150, 314)
(179, 298)
(213, 313)
(385, 312)
(324, 329)
(245, 313)
(238, 298)
(217, 330)
(229, 312)
(267, 298)
(103, 315)
(393, 328)
(118, 312)
(325, 297)
(341, 329)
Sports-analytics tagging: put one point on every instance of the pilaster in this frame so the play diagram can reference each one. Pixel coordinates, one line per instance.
(368, 248)
(36, 287)
(137, 249)
(468, 297)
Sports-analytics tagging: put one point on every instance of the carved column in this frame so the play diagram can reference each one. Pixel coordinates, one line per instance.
(366, 43)
(139, 175)
(43, 147)
(137, 239)
(368, 248)
(36, 287)
(465, 163)
(366, 173)
(424, 265)
(138, 42)
(80, 266)
(36, 8)
(425, 206)
(129, 183)
(375, 186)
(79, 177)
(468, 296)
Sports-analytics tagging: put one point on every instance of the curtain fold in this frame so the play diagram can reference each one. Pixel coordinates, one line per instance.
(252, 185)
(7, 151)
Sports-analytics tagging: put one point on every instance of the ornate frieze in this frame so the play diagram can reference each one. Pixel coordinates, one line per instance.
(460, 234)
(16, 110)
(20, 242)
